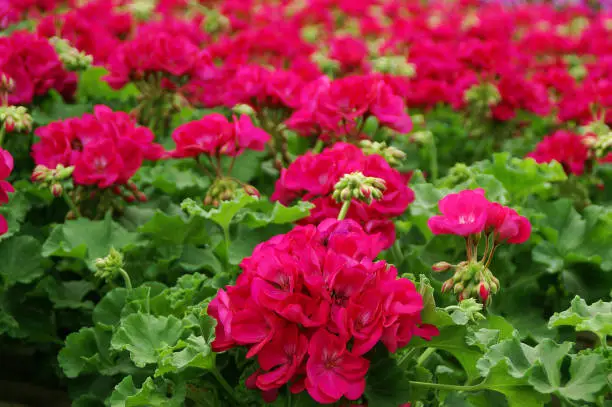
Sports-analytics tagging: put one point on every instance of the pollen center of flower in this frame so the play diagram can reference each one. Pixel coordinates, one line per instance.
(467, 219)
(100, 163)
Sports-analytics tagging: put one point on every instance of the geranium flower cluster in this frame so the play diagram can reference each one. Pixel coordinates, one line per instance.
(106, 148)
(310, 304)
(332, 108)
(471, 215)
(567, 148)
(214, 135)
(34, 67)
(6, 167)
(312, 177)
(157, 52)
(95, 27)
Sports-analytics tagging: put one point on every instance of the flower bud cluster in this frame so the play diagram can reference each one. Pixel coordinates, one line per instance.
(394, 65)
(470, 280)
(52, 178)
(482, 95)
(109, 266)
(72, 59)
(392, 155)
(357, 186)
(15, 118)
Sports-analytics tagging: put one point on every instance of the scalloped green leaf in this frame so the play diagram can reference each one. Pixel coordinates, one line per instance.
(145, 336)
(152, 393)
(87, 239)
(596, 318)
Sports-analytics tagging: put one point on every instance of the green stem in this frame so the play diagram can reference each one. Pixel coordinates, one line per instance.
(405, 357)
(71, 204)
(126, 279)
(440, 386)
(288, 400)
(226, 238)
(425, 355)
(2, 132)
(228, 389)
(433, 159)
(318, 146)
(344, 210)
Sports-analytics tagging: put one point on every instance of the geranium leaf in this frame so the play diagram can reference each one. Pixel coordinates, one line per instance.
(152, 393)
(596, 318)
(144, 336)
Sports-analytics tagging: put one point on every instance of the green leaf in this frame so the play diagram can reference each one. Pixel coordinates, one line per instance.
(522, 177)
(168, 229)
(222, 215)
(519, 358)
(86, 239)
(263, 213)
(596, 318)
(21, 260)
(67, 294)
(517, 391)
(86, 351)
(108, 311)
(572, 238)
(196, 259)
(158, 393)
(588, 373)
(92, 86)
(193, 352)
(386, 384)
(15, 212)
(144, 336)
(55, 108)
(452, 340)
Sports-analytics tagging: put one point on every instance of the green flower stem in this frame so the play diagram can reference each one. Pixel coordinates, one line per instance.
(318, 146)
(433, 159)
(288, 402)
(126, 279)
(344, 210)
(405, 357)
(2, 132)
(71, 204)
(226, 240)
(454, 387)
(425, 355)
(228, 389)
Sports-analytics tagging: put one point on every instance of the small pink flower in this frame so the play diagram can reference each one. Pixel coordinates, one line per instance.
(333, 371)
(463, 214)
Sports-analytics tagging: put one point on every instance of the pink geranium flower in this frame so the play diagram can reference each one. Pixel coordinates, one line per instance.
(332, 371)
(463, 214)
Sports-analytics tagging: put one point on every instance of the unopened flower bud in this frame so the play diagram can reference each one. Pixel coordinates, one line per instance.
(9, 124)
(458, 288)
(141, 196)
(57, 190)
(365, 192)
(345, 195)
(441, 266)
(447, 285)
(129, 198)
(39, 174)
(62, 173)
(251, 190)
(243, 109)
(483, 291)
(7, 84)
